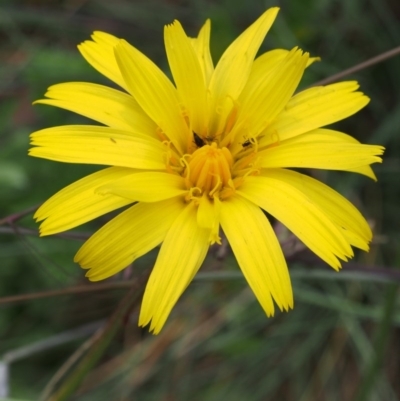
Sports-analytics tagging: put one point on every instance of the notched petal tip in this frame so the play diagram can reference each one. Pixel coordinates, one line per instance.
(379, 151)
(94, 278)
(99, 33)
(154, 330)
(336, 266)
(172, 25)
(38, 215)
(104, 37)
(312, 60)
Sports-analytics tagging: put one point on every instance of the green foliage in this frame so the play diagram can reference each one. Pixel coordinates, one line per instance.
(341, 342)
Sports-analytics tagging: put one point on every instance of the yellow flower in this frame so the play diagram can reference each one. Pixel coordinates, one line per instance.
(211, 151)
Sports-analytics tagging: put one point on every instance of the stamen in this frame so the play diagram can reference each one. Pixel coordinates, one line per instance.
(217, 186)
(229, 190)
(168, 156)
(185, 163)
(244, 162)
(208, 168)
(160, 133)
(192, 196)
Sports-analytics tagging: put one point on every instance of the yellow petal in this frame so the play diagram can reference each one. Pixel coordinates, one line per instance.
(98, 145)
(364, 170)
(181, 255)
(300, 215)
(260, 104)
(339, 137)
(313, 60)
(126, 237)
(78, 203)
(146, 187)
(208, 217)
(335, 206)
(154, 92)
(100, 103)
(258, 253)
(99, 53)
(266, 63)
(206, 212)
(188, 75)
(317, 107)
(201, 46)
(322, 149)
(233, 69)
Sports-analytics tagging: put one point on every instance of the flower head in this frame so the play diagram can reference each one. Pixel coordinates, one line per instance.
(211, 151)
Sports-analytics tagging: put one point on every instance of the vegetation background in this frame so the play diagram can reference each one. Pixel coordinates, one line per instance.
(342, 340)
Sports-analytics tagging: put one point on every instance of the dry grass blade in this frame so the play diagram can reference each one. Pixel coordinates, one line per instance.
(100, 343)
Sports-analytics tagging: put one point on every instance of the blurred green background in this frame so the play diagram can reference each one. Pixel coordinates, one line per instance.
(342, 340)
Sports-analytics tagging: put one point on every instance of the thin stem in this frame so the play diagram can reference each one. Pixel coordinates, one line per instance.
(362, 66)
(12, 218)
(68, 364)
(51, 342)
(80, 289)
(28, 231)
(102, 339)
(353, 272)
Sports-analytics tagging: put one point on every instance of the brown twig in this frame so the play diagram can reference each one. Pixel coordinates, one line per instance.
(12, 218)
(14, 229)
(28, 231)
(362, 66)
(79, 289)
(385, 274)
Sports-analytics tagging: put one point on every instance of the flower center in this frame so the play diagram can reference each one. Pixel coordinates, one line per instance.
(209, 169)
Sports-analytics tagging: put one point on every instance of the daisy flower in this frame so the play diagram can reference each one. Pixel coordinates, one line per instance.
(210, 151)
